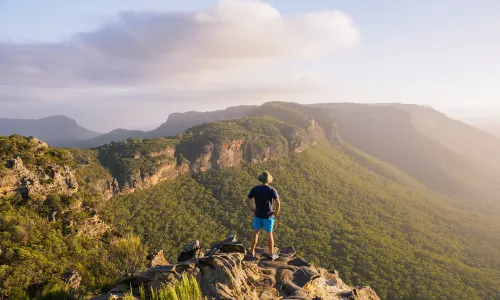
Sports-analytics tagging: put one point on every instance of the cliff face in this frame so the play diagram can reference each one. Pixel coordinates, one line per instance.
(233, 153)
(137, 164)
(141, 164)
(221, 155)
(165, 167)
(17, 178)
(225, 272)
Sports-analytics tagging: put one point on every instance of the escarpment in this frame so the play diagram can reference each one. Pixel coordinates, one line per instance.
(137, 164)
(21, 177)
(32, 169)
(21, 180)
(224, 271)
(273, 130)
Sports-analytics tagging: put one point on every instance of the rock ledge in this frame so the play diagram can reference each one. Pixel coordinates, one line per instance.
(225, 272)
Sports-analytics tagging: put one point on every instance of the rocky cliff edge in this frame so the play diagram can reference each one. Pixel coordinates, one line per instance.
(225, 272)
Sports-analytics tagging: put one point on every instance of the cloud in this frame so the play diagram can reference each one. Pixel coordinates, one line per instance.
(235, 39)
(144, 65)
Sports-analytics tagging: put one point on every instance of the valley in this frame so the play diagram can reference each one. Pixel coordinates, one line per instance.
(396, 197)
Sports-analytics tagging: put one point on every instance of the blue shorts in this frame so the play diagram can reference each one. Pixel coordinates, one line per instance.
(267, 224)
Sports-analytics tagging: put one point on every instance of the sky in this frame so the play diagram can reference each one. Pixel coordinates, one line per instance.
(129, 64)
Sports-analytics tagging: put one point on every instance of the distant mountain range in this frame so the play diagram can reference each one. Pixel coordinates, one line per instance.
(176, 123)
(386, 193)
(493, 128)
(62, 131)
(445, 154)
(56, 130)
(361, 125)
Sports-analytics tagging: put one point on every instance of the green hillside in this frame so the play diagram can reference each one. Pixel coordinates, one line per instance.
(354, 201)
(43, 235)
(445, 155)
(393, 237)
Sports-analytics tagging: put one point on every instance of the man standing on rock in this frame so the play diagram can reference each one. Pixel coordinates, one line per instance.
(263, 213)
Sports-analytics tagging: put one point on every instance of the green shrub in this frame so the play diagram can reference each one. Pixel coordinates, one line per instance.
(128, 254)
(185, 289)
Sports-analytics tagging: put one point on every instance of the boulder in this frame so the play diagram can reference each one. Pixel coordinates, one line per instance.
(230, 245)
(157, 259)
(191, 251)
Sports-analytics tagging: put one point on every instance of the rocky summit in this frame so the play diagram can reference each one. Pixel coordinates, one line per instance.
(225, 271)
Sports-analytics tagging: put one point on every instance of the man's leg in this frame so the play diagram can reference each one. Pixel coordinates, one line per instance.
(255, 238)
(270, 242)
(269, 227)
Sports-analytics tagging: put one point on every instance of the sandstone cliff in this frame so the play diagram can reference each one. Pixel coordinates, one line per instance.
(29, 167)
(274, 130)
(19, 179)
(225, 272)
(139, 164)
(164, 167)
(252, 148)
(53, 178)
(56, 183)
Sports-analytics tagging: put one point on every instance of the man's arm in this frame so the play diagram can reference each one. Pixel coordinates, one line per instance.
(251, 206)
(278, 206)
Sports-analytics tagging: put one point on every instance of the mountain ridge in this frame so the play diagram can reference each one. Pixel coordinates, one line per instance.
(420, 141)
(343, 208)
(176, 123)
(492, 128)
(57, 130)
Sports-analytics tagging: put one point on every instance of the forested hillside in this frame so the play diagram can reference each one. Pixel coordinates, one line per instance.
(50, 226)
(396, 238)
(445, 155)
(350, 202)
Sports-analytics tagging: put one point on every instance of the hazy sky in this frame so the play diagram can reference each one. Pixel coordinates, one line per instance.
(129, 63)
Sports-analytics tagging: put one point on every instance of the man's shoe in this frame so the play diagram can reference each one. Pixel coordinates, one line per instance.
(251, 256)
(273, 257)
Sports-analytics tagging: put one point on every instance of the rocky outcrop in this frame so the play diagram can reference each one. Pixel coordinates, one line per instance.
(192, 250)
(165, 168)
(93, 227)
(157, 259)
(72, 278)
(164, 171)
(17, 178)
(194, 154)
(225, 272)
(299, 142)
(232, 153)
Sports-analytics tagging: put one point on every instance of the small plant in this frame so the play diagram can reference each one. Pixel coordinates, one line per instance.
(185, 289)
(129, 295)
(142, 292)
